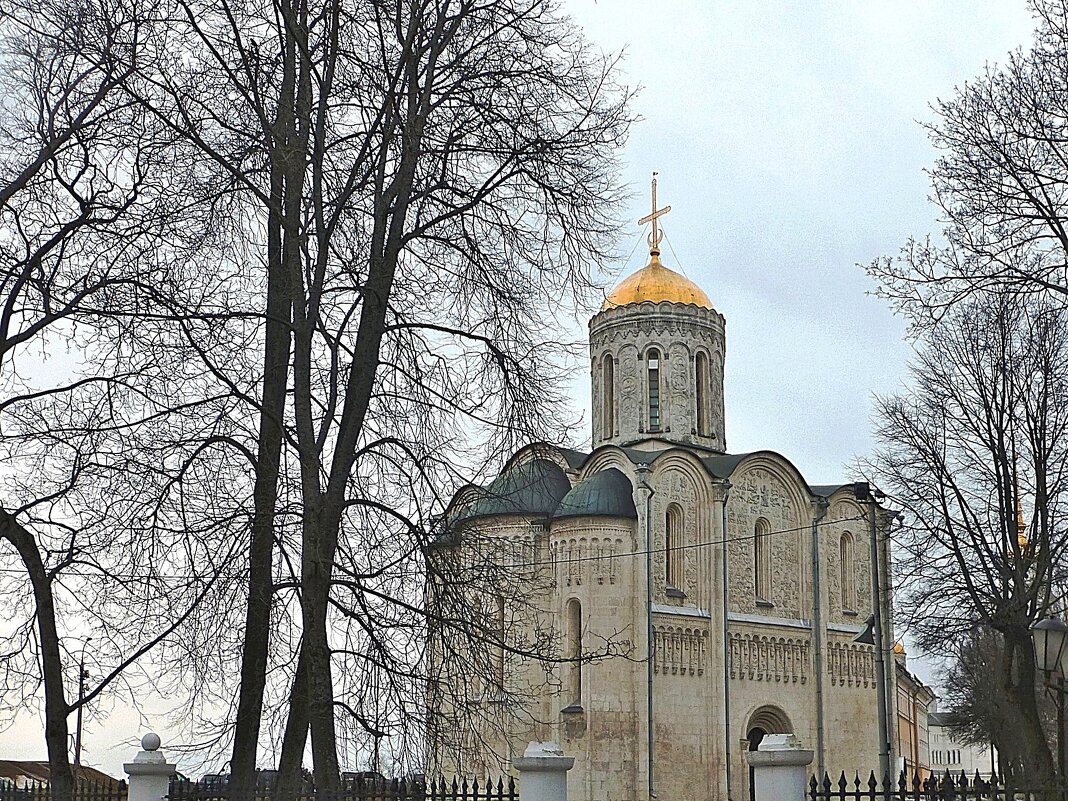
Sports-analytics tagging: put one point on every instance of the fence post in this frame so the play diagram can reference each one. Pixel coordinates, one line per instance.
(150, 773)
(780, 769)
(542, 772)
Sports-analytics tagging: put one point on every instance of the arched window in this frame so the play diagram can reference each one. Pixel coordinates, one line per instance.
(653, 360)
(499, 622)
(574, 651)
(847, 573)
(608, 392)
(704, 428)
(762, 561)
(676, 553)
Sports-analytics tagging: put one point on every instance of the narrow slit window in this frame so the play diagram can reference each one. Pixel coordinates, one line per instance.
(676, 555)
(848, 573)
(703, 412)
(654, 390)
(609, 395)
(499, 666)
(574, 651)
(762, 560)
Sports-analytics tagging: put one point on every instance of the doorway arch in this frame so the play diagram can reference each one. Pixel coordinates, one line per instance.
(765, 720)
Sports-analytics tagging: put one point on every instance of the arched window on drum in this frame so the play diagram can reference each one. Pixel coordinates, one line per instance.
(653, 367)
(704, 412)
(608, 397)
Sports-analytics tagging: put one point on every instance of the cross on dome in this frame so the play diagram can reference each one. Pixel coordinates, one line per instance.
(656, 234)
(655, 282)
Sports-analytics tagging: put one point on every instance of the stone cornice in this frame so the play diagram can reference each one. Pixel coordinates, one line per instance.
(657, 316)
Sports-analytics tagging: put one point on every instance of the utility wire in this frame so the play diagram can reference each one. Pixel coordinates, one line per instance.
(727, 540)
(594, 558)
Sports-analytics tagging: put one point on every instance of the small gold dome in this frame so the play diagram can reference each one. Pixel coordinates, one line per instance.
(656, 283)
(899, 648)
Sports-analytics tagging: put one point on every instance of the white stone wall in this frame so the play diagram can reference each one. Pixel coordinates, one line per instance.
(601, 563)
(949, 753)
(766, 491)
(679, 332)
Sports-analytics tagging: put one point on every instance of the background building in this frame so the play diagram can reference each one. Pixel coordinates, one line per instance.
(948, 753)
(913, 704)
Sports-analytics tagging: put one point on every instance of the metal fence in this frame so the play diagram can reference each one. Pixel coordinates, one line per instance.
(939, 787)
(504, 789)
(83, 791)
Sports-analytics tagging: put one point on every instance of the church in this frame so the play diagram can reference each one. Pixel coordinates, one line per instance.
(694, 599)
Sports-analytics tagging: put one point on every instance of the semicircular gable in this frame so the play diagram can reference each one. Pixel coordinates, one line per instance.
(604, 457)
(844, 506)
(566, 459)
(783, 469)
(685, 462)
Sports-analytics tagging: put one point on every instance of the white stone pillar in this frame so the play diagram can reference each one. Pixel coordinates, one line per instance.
(780, 769)
(542, 773)
(150, 774)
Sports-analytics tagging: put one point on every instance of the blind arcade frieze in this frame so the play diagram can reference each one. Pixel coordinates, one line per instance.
(760, 657)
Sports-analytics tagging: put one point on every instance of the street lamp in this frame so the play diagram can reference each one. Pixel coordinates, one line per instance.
(1050, 636)
(863, 492)
(82, 676)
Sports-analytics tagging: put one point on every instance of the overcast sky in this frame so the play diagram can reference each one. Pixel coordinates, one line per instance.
(789, 141)
(788, 145)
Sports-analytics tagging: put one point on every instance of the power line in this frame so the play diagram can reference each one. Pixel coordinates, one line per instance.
(390, 574)
(706, 543)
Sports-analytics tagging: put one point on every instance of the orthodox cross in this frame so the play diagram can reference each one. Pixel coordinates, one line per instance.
(656, 234)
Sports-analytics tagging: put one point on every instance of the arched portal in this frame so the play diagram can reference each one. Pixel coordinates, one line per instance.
(764, 721)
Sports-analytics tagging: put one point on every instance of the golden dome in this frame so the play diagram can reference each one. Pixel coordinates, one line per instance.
(656, 283)
(899, 648)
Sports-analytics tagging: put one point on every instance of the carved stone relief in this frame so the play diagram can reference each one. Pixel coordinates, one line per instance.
(844, 518)
(716, 378)
(759, 493)
(680, 650)
(850, 664)
(674, 487)
(760, 657)
(630, 405)
(589, 556)
(680, 388)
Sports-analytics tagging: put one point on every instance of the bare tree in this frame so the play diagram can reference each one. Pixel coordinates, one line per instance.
(419, 184)
(91, 447)
(56, 192)
(977, 444)
(1001, 181)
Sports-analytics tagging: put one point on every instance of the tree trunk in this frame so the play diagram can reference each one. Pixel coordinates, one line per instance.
(61, 779)
(317, 570)
(1019, 681)
(295, 738)
(283, 254)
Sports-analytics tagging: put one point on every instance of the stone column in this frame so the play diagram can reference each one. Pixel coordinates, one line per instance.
(150, 773)
(780, 769)
(542, 773)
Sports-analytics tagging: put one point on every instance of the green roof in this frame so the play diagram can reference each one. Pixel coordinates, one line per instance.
(532, 488)
(607, 493)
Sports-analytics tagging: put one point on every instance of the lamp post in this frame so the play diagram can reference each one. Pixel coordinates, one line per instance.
(82, 676)
(1050, 637)
(863, 492)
